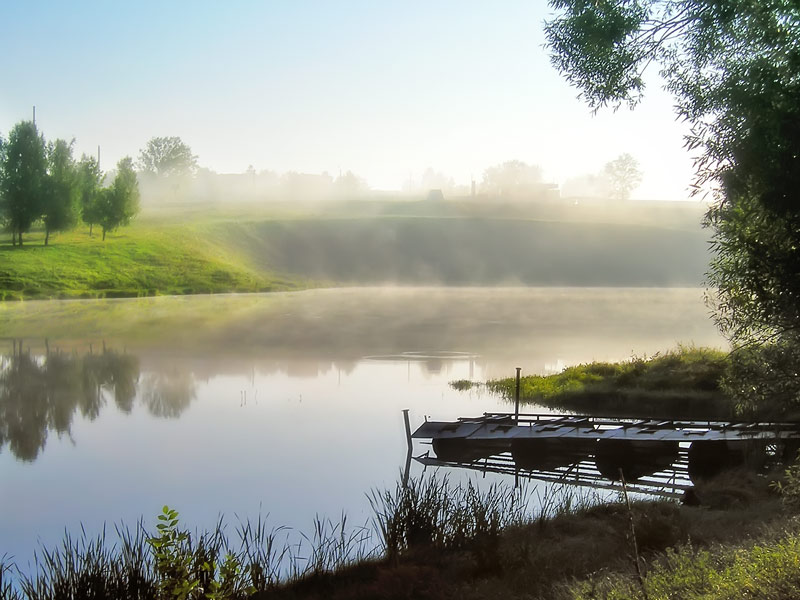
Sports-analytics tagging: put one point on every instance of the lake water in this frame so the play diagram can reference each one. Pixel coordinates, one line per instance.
(286, 405)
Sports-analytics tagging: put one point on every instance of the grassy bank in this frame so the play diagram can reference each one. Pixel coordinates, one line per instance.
(443, 541)
(141, 261)
(679, 384)
(210, 250)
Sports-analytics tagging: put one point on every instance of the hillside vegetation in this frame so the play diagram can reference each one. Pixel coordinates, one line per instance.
(361, 244)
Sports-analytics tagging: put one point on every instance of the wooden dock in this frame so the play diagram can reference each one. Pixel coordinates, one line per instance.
(657, 457)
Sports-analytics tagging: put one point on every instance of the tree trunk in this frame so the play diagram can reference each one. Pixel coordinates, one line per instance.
(90, 230)
(20, 238)
(104, 234)
(46, 236)
(13, 237)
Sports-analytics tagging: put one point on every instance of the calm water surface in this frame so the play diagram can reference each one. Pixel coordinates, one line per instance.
(282, 404)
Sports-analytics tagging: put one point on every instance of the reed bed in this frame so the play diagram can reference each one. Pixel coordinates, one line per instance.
(137, 564)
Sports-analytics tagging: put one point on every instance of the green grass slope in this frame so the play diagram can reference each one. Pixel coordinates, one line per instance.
(214, 252)
(139, 261)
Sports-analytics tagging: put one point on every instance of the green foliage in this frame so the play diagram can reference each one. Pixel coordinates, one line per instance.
(595, 46)
(60, 197)
(172, 557)
(118, 204)
(770, 571)
(90, 178)
(192, 571)
(789, 487)
(684, 383)
(732, 68)
(22, 179)
(167, 157)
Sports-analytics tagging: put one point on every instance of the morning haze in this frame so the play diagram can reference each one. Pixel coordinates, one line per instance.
(244, 240)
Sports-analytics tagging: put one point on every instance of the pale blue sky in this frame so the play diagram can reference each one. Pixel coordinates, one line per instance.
(385, 89)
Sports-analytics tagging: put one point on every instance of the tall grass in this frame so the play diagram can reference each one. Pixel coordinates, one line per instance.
(426, 514)
(433, 514)
(770, 571)
(681, 383)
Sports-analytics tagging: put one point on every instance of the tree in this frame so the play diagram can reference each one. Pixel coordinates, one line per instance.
(22, 177)
(118, 204)
(512, 178)
(349, 185)
(60, 194)
(90, 178)
(733, 67)
(167, 157)
(624, 176)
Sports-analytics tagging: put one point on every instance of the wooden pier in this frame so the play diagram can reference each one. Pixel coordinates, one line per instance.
(659, 457)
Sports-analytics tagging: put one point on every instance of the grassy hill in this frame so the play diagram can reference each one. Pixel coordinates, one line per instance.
(211, 250)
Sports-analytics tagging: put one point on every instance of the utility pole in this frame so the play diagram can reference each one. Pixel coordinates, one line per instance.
(98, 156)
(34, 115)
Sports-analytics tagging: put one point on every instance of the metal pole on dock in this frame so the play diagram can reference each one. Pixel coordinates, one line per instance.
(516, 397)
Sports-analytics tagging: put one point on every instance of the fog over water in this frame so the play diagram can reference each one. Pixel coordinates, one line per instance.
(288, 404)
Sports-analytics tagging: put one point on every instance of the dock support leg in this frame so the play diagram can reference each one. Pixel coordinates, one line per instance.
(516, 397)
(408, 428)
(407, 470)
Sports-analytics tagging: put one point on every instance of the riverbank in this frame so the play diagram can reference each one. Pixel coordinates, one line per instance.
(369, 243)
(440, 541)
(684, 383)
(143, 260)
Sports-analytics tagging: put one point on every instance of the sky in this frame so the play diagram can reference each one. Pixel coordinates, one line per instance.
(383, 89)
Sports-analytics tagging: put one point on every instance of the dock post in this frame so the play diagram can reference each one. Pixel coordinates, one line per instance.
(516, 397)
(408, 428)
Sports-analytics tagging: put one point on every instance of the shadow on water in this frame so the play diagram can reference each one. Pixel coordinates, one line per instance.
(657, 468)
(42, 393)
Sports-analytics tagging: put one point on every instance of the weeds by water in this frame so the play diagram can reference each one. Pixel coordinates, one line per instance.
(683, 383)
(423, 515)
(439, 540)
(464, 385)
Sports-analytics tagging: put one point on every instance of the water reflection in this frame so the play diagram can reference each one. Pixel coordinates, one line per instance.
(168, 394)
(655, 467)
(42, 393)
(266, 385)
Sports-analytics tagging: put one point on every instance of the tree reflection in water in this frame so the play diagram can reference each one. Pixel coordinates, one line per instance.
(168, 394)
(39, 394)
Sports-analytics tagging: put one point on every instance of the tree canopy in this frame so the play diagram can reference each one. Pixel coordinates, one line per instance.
(90, 179)
(60, 196)
(167, 157)
(22, 179)
(512, 178)
(733, 67)
(41, 183)
(119, 203)
(623, 175)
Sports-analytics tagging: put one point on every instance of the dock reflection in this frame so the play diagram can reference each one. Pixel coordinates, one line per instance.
(659, 471)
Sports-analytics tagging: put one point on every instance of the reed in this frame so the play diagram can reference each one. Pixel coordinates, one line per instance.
(426, 513)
